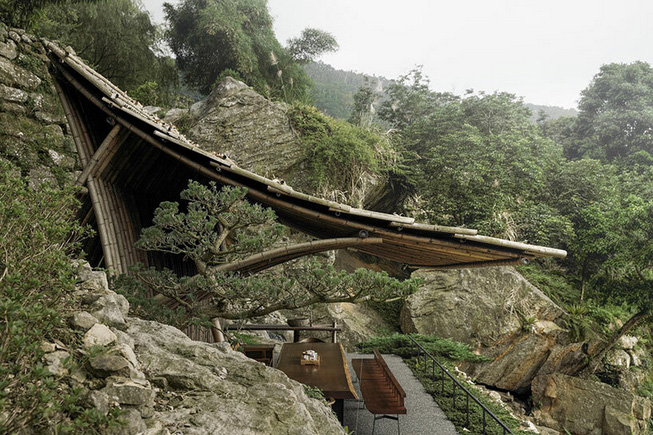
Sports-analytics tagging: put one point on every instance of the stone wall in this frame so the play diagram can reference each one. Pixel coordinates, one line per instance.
(33, 130)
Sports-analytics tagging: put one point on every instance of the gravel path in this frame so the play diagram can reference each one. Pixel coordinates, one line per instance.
(423, 416)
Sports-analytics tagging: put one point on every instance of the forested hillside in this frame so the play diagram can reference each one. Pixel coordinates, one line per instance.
(580, 181)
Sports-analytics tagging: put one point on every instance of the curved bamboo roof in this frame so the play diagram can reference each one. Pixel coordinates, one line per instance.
(132, 161)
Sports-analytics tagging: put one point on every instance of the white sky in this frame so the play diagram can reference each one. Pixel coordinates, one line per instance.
(544, 51)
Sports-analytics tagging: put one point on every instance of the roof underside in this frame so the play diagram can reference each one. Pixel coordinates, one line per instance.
(133, 161)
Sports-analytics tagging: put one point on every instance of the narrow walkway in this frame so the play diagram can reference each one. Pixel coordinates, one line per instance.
(424, 416)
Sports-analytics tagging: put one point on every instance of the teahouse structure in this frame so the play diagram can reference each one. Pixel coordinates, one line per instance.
(132, 161)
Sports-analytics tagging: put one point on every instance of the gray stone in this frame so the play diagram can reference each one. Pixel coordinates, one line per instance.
(618, 357)
(486, 308)
(96, 282)
(8, 49)
(132, 423)
(474, 306)
(83, 270)
(49, 118)
(99, 335)
(83, 320)
(15, 36)
(259, 399)
(13, 75)
(55, 362)
(175, 114)
(13, 95)
(628, 342)
(107, 365)
(124, 338)
(61, 160)
(111, 309)
(126, 352)
(128, 392)
(98, 400)
(39, 176)
(252, 130)
(54, 130)
(585, 407)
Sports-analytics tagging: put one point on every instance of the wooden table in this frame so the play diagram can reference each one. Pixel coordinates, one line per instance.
(331, 376)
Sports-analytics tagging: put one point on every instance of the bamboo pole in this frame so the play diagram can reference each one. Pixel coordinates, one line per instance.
(102, 203)
(551, 252)
(108, 144)
(433, 228)
(74, 123)
(267, 259)
(120, 227)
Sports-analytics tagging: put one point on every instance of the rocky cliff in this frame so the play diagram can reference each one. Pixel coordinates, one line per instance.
(165, 383)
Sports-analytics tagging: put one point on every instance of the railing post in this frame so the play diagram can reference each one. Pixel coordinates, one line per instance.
(423, 352)
(453, 389)
(483, 421)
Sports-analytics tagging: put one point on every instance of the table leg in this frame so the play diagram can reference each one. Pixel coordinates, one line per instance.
(339, 408)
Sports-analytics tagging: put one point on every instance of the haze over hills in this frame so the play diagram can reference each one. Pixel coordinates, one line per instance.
(334, 91)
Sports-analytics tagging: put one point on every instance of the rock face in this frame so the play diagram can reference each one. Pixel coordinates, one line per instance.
(166, 383)
(217, 390)
(475, 306)
(588, 408)
(502, 316)
(252, 130)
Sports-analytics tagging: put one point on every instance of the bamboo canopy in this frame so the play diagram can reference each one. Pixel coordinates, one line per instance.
(132, 161)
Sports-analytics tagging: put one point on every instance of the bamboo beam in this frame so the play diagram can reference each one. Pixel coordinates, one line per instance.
(433, 228)
(550, 252)
(107, 149)
(264, 260)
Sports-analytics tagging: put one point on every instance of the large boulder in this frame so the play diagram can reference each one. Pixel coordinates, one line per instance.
(582, 407)
(502, 316)
(217, 390)
(250, 129)
(475, 306)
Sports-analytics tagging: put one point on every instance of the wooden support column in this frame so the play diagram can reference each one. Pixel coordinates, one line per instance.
(105, 152)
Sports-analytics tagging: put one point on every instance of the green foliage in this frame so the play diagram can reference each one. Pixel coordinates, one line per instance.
(333, 90)
(505, 162)
(310, 45)
(117, 38)
(24, 13)
(219, 226)
(36, 281)
(615, 113)
(554, 283)
(389, 311)
(210, 36)
(400, 344)
(443, 394)
(338, 153)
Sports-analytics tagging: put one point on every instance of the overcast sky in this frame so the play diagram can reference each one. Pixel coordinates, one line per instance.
(544, 51)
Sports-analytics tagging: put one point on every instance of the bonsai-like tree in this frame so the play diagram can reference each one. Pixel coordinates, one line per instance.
(220, 226)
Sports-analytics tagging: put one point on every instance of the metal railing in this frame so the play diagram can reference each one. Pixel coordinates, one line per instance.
(425, 356)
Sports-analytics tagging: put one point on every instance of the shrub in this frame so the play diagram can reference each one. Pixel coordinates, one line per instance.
(37, 235)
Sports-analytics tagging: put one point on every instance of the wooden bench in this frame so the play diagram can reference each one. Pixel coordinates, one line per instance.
(382, 394)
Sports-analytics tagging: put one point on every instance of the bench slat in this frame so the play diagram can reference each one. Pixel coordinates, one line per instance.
(381, 390)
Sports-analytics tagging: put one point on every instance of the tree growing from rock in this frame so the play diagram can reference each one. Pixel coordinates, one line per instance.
(219, 226)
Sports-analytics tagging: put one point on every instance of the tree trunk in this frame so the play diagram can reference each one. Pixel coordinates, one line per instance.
(597, 358)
